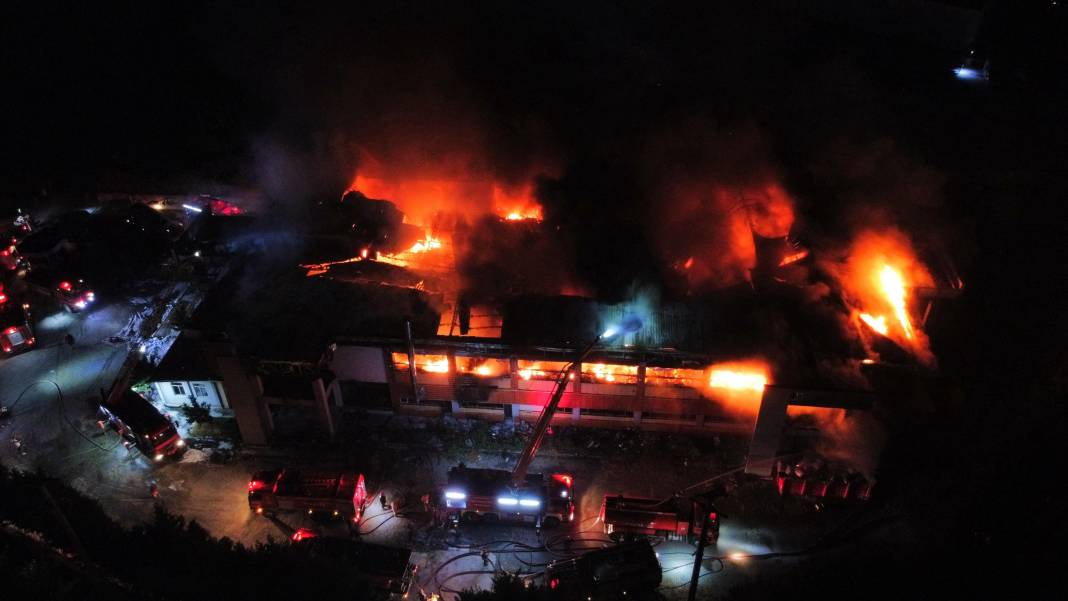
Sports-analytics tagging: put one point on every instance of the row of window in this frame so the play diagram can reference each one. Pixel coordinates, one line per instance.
(199, 390)
(548, 370)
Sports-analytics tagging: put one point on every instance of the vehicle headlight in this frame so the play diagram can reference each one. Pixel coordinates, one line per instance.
(180, 443)
(507, 501)
(530, 502)
(159, 457)
(455, 495)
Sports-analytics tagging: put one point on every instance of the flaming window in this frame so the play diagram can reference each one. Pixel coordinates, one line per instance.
(483, 367)
(539, 370)
(609, 373)
(672, 376)
(433, 364)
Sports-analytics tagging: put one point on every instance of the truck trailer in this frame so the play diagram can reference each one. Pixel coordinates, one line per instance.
(338, 494)
(630, 518)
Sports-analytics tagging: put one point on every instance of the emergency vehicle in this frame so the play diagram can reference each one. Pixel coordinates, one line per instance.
(15, 331)
(338, 494)
(629, 518)
(478, 494)
(141, 425)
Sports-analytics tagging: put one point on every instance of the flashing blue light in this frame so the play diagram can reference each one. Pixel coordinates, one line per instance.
(530, 502)
(967, 73)
(455, 495)
(192, 208)
(507, 501)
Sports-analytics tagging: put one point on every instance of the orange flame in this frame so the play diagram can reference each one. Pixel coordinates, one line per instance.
(893, 286)
(876, 323)
(737, 380)
(881, 271)
(739, 385)
(427, 244)
(516, 204)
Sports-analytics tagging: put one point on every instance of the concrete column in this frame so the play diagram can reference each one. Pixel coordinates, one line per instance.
(253, 417)
(576, 414)
(322, 406)
(767, 432)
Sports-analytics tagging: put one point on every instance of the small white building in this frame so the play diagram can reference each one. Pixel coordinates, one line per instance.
(187, 375)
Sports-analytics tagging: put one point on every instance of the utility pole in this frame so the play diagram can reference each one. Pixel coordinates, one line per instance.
(704, 504)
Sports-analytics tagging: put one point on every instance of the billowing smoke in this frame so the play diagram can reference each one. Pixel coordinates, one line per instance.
(714, 187)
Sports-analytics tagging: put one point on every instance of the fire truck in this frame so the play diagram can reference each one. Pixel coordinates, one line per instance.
(336, 494)
(15, 331)
(141, 425)
(73, 294)
(621, 572)
(491, 495)
(388, 569)
(630, 518)
(499, 495)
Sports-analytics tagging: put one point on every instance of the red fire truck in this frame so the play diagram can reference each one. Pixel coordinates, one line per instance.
(337, 494)
(516, 495)
(141, 425)
(629, 518)
(15, 331)
(490, 495)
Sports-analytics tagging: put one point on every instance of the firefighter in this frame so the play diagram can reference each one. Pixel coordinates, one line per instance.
(485, 558)
(382, 500)
(153, 489)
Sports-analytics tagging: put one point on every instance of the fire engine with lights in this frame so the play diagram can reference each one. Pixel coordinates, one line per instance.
(499, 495)
(337, 494)
(493, 495)
(141, 425)
(619, 572)
(11, 260)
(388, 569)
(73, 294)
(15, 331)
(629, 518)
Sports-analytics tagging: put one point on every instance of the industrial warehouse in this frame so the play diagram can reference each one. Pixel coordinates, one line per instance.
(517, 301)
